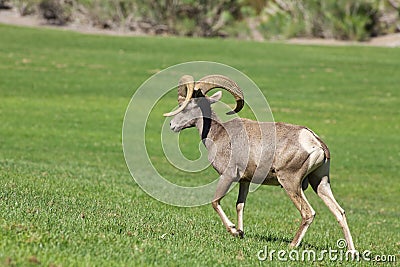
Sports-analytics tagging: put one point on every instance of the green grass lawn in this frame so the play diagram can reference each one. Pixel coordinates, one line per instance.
(66, 195)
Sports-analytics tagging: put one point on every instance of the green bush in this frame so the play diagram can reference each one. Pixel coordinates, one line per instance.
(279, 19)
(339, 19)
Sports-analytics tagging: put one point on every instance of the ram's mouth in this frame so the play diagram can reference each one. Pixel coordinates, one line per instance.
(176, 129)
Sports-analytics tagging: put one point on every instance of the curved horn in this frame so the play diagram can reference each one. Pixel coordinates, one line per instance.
(185, 92)
(209, 82)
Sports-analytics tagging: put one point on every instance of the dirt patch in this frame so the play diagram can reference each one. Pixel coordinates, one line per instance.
(390, 40)
(12, 17)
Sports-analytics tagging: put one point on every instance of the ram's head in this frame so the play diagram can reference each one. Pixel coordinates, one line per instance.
(193, 102)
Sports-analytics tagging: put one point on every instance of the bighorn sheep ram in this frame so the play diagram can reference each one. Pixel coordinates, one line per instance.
(240, 150)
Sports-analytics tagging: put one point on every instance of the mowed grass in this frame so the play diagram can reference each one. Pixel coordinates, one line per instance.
(66, 195)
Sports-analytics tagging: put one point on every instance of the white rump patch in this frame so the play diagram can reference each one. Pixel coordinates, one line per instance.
(311, 144)
(308, 141)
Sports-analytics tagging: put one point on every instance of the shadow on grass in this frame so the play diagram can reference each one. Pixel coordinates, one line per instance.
(279, 239)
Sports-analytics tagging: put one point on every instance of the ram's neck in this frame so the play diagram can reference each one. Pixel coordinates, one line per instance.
(209, 129)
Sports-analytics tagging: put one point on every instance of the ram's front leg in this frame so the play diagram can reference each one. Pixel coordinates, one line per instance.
(222, 188)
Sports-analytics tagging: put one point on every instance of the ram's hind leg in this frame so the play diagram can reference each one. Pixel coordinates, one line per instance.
(296, 194)
(319, 180)
(243, 191)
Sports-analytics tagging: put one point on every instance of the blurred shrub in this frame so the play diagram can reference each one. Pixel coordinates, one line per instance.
(5, 4)
(58, 12)
(276, 19)
(26, 7)
(178, 17)
(190, 17)
(339, 19)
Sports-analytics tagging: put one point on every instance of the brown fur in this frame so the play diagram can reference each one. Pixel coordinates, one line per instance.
(264, 153)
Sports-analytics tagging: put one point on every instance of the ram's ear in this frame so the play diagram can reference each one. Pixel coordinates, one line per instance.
(215, 97)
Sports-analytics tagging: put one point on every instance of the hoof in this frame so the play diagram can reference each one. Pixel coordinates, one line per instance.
(236, 233)
(240, 234)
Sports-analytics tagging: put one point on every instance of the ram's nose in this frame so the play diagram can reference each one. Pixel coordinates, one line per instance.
(173, 126)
